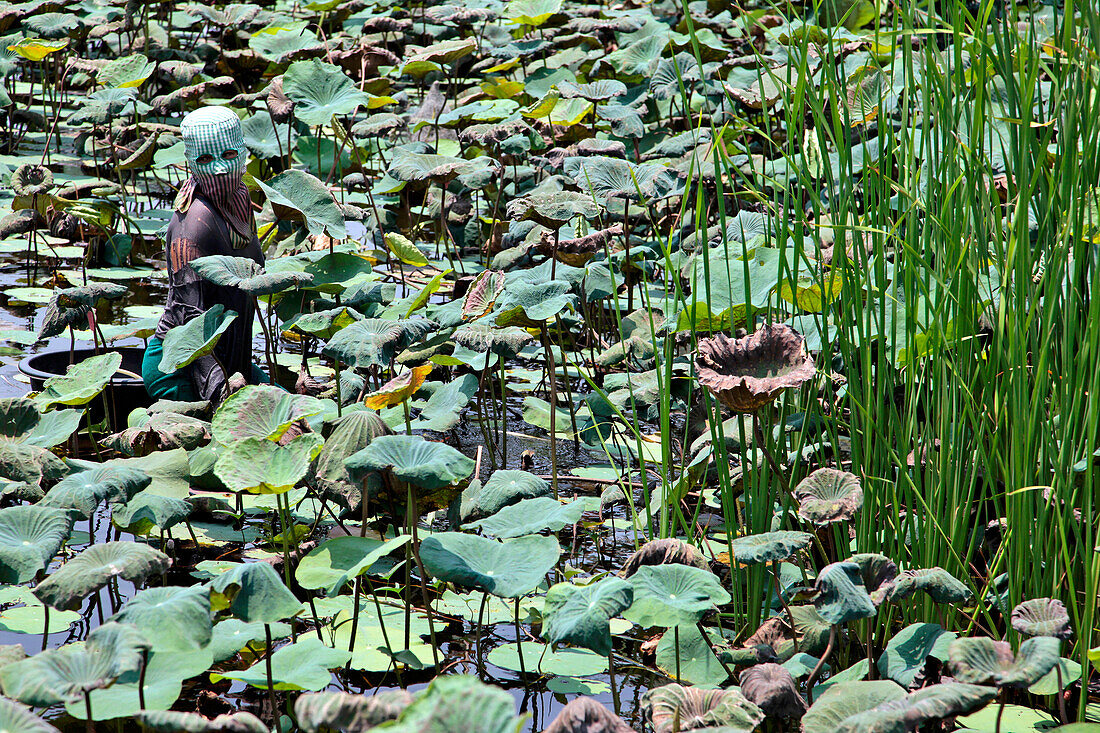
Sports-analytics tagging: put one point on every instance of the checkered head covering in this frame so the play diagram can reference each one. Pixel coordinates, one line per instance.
(217, 156)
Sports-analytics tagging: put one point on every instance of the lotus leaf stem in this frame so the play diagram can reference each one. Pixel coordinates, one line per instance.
(833, 629)
(271, 681)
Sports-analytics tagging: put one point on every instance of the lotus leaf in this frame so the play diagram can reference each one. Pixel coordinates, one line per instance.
(298, 196)
(987, 661)
(172, 618)
(504, 487)
(841, 595)
(581, 615)
(16, 718)
(350, 713)
(374, 342)
(909, 712)
(80, 383)
(30, 537)
(845, 700)
(264, 467)
(67, 587)
(942, 586)
(771, 688)
(261, 411)
(677, 708)
(254, 593)
(459, 703)
(1042, 617)
(420, 462)
(769, 547)
(828, 495)
(336, 562)
(908, 651)
(587, 715)
(246, 274)
(195, 339)
(82, 492)
(508, 569)
(352, 433)
(531, 516)
(170, 721)
(673, 595)
(320, 91)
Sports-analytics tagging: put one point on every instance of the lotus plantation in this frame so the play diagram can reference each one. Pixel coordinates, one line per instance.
(550, 366)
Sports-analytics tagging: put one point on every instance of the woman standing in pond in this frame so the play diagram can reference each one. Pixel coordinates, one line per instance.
(213, 216)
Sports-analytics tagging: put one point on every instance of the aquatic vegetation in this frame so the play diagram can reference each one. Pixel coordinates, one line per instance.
(642, 366)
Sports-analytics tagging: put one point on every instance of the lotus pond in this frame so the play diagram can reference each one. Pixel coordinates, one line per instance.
(671, 366)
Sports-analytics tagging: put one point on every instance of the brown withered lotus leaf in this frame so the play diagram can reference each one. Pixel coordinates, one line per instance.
(828, 495)
(578, 251)
(1042, 617)
(685, 709)
(490, 134)
(175, 100)
(279, 105)
(772, 633)
(670, 551)
(386, 24)
(748, 373)
(352, 713)
(505, 341)
(773, 690)
(587, 715)
(482, 294)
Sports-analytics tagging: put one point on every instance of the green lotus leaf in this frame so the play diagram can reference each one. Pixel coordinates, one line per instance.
(1042, 617)
(261, 411)
(246, 274)
(53, 25)
(264, 138)
(987, 661)
(1050, 683)
(16, 718)
(84, 491)
(443, 410)
(354, 431)
(532, 516)
(530, 12)
(908, 651)
(67, 587)
(910, 712)
(769, 547)
(508, 569)
(170, 721)
(553, 210)
(599, 90)
(69, 672)
(146, 511)
(1013, 719)
(46, 431)
(444, 52)
(422, 463)
(29, 463)
(459, 703)
(841, 595)
(846, 699)
(374, 341)
(673, 595)
(541, 658)
(419, 167)
(505, 342)
(298, 196)
(127, 72)
(878, 573)
(197, 338)
(482, 294)
(279, 44)
(320, 91)
(88, 296)
(581, 615)
(940, 585)
(347, 712)
(504, 487)
(261, 466)
(531, 303)
(338, 561)
(304, 665)
(676, 708)
(18, 417)
(30, 537)
(828, 495)
(322, 324)
(255, 593)
(607, 178)
(80, 383)
(172, 618)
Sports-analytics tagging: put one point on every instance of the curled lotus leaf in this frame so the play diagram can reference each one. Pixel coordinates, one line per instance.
(254, 593)
(350, 713)
(28, 463)
(1042, 617)
(748, 373)
(87, 296)
(772, 688)
(676, 708)
(444, 52)
(553, 210)
(984, 661)
(31, 179)
(587, 715)
(398, 389)
(56, 318)
(375, 341)
(261, 411)
(878, 573)
(664, 552)
(67, 587)
(841, 596)
(30, 537)
(195, 339)
(940, 585)
(323, 324)
(600, 90)
(80, 383)
(531, 516)
(908, 713)
(770, 546)
(581, 615)
(69, 672)
(171, 721)
(828, 495)
(608, 178)
(301, 197)
(246, 274)
(483, 293)
(418, 167)
(423, 463)
(352, 433)
(846, 699)
(504, 487)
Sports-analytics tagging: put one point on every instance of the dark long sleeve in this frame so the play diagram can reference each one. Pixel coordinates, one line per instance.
(197, 233)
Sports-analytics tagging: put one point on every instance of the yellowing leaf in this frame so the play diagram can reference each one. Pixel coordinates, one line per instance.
(543, 107)
(426, 292)
(403, 248)
(36, 49)
(398, 389)
(499, 88)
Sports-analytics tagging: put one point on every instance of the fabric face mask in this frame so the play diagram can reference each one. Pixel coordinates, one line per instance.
(217, 157)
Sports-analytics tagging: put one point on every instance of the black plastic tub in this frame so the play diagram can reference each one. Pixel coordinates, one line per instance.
(124, 393)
